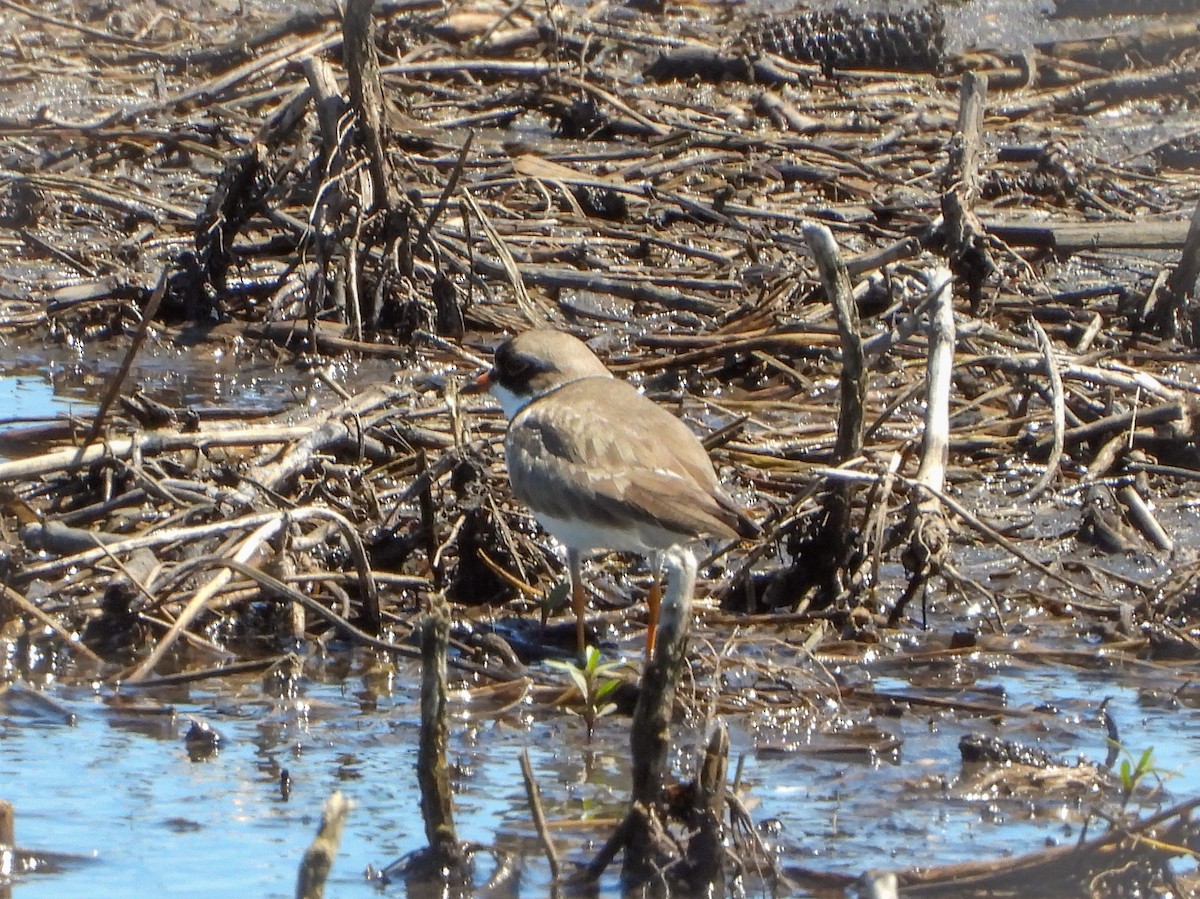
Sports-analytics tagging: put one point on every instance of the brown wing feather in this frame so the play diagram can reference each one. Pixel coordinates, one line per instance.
(560, 446)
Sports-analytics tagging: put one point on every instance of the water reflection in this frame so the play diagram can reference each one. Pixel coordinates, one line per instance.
(120, 786)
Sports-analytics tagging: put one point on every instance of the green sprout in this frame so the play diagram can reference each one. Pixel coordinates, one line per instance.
(595, 683)
(1133, 773)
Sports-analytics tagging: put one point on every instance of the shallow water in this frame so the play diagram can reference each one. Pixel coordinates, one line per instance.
(41, 382)
(32, 397)
(120, 792)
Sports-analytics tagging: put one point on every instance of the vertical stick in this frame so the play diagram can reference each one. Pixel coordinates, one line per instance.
(433, 771)
(1181, 289)
(839, 538)
(366, 94)
(318, 860)
(650, 734)
(929, 535)
(935, 440)
(539, 817)
(706, 849)
(966, 241)
(8, 833)
(853, 384)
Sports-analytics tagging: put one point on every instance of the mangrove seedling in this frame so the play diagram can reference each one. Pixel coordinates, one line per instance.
(595, 683)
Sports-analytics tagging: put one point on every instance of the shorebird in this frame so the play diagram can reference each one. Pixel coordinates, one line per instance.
(601, 466)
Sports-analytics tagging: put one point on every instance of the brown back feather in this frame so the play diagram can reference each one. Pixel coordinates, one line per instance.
(561, 444)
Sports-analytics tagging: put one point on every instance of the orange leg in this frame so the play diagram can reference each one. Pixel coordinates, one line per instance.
(653, 602)
(578, 598)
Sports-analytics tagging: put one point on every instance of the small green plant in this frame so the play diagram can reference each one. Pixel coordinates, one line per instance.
(595, 683)
(1133, 773)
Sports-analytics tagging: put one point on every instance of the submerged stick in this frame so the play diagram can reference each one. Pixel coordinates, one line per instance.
(318, 860)
(650, 731)
(251, 545)
(24, 607)
(114, 387)
(433, 770)
(1062, 870)
(539, 816)
(706, 849)
(273, 524)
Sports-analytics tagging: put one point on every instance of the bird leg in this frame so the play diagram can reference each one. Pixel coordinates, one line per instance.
(653, 602)
(578, 599)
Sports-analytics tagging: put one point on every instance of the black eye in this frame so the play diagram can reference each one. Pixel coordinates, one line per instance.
(516, 371)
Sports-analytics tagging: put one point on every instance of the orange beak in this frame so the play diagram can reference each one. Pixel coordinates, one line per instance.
(481, 384)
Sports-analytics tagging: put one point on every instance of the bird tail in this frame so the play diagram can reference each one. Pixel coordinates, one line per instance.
(736, 519)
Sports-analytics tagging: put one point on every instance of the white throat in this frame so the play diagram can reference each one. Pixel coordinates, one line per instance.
(510, 402)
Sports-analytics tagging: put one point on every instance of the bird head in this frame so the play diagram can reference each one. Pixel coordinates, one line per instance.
(534, 363)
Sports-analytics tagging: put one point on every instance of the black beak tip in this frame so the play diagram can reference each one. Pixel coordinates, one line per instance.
(480, 384)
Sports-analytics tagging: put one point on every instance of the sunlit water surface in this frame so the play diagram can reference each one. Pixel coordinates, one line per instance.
(120, 796)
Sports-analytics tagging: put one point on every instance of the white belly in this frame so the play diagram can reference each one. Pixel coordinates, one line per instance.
(586, 536)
